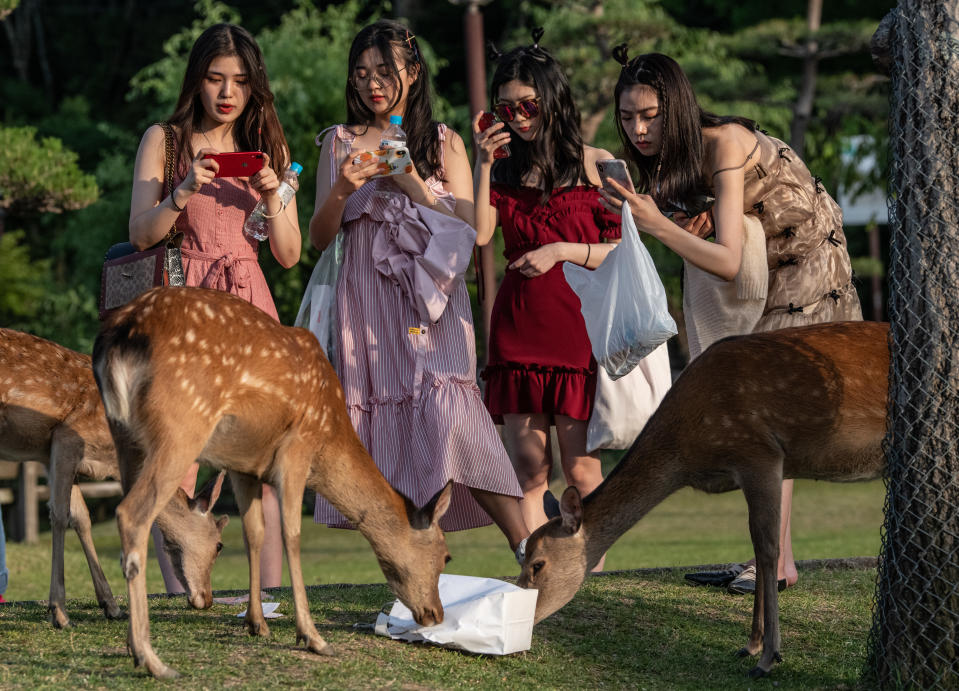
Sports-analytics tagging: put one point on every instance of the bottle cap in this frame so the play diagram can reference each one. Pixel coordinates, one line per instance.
(396, 119)
(296, 167)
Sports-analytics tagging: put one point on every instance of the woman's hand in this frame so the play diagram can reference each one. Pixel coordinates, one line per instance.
(700, 225)
(537, 262)
(643, 207)
(202, 171)
(264, 181)
(353, 176)
(489, 140)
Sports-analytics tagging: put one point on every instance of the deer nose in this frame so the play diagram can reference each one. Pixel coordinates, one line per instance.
(430, 616)
(201, 600)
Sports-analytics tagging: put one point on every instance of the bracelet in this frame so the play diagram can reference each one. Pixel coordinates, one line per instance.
(274, 215)
(589, 248)
(178, 209)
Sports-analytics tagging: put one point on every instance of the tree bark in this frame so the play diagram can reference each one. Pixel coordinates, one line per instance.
(802, 113)
(913, 643)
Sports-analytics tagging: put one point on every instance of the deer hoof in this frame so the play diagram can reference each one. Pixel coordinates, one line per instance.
(258, 628)
(112, 612)
(743, 652)
(322, 648)
(164, 672)
(59, 618)
(757, 672)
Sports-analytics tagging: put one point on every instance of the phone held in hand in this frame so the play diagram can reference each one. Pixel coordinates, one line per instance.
(697, 204)
(486, 121)
(390, 161)
(614, 169)
(237, 164)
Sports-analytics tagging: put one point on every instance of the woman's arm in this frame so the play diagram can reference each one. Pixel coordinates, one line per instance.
(151, 211)
(458, 182)
(331, 196)
(722, 257)
(487, 141)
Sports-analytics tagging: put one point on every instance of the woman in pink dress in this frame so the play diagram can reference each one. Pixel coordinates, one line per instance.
(541, 371)
(405, 351)
(225, 105)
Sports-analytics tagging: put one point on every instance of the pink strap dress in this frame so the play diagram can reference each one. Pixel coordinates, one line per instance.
(216, 252)
(407, 351)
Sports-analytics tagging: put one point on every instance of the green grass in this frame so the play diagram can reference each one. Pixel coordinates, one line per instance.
(623, 630)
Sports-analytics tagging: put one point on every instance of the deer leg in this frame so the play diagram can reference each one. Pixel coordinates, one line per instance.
(763, 497)
(80, 518)
(290, 495)
(249, 498)
(156, 484)
(62, 472)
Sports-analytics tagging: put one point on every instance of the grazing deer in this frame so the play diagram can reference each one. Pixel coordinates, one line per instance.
(806, 402)
(50, 411)
(192, 374)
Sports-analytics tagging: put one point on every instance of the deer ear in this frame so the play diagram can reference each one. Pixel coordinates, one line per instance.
(571, 509)
(436, 507)
(221, 522)
(207, 497)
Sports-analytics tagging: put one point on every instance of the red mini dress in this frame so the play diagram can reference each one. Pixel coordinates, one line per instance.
(540, 360)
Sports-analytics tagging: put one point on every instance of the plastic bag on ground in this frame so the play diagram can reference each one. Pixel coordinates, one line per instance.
(481, 615)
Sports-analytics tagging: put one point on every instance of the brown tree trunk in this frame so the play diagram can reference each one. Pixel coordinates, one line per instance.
(802, 112)
(913, 643)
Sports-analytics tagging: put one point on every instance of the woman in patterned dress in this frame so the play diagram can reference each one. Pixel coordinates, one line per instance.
(540, 371)
(225, 105)
(682, 153)
(405, 352)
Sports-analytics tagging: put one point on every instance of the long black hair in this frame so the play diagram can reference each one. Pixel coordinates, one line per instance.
(676, 173)
(423, 141)
(258, 127)
(556, 153)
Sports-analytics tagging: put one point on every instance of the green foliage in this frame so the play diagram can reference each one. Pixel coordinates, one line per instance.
(24, 281)
(40, 176)
(6, 7)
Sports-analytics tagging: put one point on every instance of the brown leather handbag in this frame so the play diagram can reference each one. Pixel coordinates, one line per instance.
(127, 272)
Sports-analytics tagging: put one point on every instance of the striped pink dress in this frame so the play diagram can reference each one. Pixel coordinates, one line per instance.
(216, 252)
(407, 362)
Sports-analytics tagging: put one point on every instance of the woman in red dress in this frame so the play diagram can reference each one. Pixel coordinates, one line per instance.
(540, 369)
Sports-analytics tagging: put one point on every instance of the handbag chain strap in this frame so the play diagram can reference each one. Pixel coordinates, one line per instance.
(169, 166)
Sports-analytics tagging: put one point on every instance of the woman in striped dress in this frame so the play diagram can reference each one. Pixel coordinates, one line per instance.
(405, 351)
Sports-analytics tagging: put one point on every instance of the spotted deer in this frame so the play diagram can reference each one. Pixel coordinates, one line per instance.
(50, 411)
(192, 374)
(806, 402)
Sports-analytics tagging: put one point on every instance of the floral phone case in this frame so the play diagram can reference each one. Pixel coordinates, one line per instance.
(391, 161)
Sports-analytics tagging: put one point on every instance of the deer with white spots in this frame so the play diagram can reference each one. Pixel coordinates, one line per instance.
(751, 411)
(189, 374)
(50, 411)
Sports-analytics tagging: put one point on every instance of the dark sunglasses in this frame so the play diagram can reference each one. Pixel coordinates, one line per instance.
(507, 113)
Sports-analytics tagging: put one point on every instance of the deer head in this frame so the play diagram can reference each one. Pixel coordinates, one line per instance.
(556, 561)
(193, 540)
(412, 567)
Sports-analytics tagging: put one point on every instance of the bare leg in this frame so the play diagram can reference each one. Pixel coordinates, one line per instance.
(582, 470)
(170, 581)
(526, 437)
(505, 512)
(271, 555)
(787, 565)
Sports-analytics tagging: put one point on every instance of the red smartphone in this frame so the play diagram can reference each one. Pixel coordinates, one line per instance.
(238, 164)
(485, 122)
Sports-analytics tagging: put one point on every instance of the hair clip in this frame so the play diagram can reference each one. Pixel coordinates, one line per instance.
(620, 55)
(492, 52)
(412, 45)
(537, 35)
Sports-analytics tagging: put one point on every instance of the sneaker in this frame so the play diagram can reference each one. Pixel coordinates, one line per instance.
(2, 601)
(720, 579)
(745, 583)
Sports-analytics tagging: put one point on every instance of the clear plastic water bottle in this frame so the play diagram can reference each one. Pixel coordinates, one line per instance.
(256, 224)
(393, 137)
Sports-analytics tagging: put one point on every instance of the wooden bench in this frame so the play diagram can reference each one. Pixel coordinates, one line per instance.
(28, 491)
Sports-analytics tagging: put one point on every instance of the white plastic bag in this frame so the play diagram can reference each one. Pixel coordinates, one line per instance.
(623, 303)
(622, 407)
(318, 307)
(481, 615)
